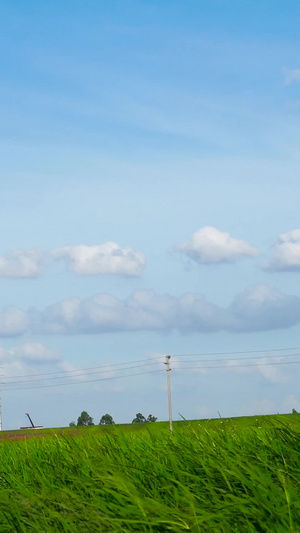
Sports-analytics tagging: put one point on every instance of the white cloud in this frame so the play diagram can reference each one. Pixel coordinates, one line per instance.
(33, 352)
(107, 258)
(291, 76)
(286, 255)
(258, 308)
(21, 264)
(209, 245)
(13, 321)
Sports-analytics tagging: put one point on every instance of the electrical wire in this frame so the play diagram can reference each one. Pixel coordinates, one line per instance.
(241, 358)
(233, 353)
(80, 374)
(152, 372)
(85, 381)
(111, 366)
(237, 366)
(84, 369)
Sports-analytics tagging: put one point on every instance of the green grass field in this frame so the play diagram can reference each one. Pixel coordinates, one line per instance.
(223, 475)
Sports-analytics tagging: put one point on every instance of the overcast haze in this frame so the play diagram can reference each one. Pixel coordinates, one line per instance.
(149, 205)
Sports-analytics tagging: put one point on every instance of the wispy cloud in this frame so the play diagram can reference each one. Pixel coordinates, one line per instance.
(291, 76)
(264, 365)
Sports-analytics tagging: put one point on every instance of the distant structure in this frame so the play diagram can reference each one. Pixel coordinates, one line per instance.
(32, 424)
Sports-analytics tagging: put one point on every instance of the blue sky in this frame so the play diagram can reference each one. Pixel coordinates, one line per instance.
(149, 206)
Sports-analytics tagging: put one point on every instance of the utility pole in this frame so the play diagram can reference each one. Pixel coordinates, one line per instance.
(1, 401)
(168, 369)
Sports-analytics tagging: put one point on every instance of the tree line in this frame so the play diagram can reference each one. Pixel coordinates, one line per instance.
(107, 420)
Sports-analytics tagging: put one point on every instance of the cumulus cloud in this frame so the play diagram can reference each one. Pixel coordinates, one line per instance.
(210, 245)
(291, 76)
(286, 254)
(21, 264)
(261, 308)
(258, 308)
(13, 321)
(107, 258)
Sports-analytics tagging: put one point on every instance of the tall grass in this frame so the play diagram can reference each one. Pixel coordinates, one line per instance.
(195, 480)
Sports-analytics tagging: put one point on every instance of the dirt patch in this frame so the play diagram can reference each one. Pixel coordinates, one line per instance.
(21, 437)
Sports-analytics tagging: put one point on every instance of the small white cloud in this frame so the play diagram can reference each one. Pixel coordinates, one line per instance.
(21, 264)
(107, 258)
(209, 245)
(34, 352)
(291, 76)
(286, 254)
(13, 321)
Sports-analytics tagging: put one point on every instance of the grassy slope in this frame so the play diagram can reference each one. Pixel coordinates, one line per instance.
(219, 475)
(236, 422)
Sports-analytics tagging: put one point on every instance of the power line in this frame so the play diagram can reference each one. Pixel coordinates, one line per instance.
(83, 369)
(85, 381)
(237, 366)
(242, 358)
(111, 366)
(118, 367)
(80, 374)
(152, 372)
(233, 353)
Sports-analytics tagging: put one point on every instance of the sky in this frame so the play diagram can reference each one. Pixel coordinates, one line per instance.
(149, 206)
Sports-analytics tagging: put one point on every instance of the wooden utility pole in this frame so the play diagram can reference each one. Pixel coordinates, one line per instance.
(168, 369)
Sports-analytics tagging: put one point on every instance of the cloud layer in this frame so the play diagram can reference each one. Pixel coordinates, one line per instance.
(209, 245)
(258, 308)
(107, 258)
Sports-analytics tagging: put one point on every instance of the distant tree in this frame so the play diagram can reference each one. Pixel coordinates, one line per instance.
(139, 419)
(85, 419)
(72, 424)
(151, 418)
(294, 412)
(106, 420)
